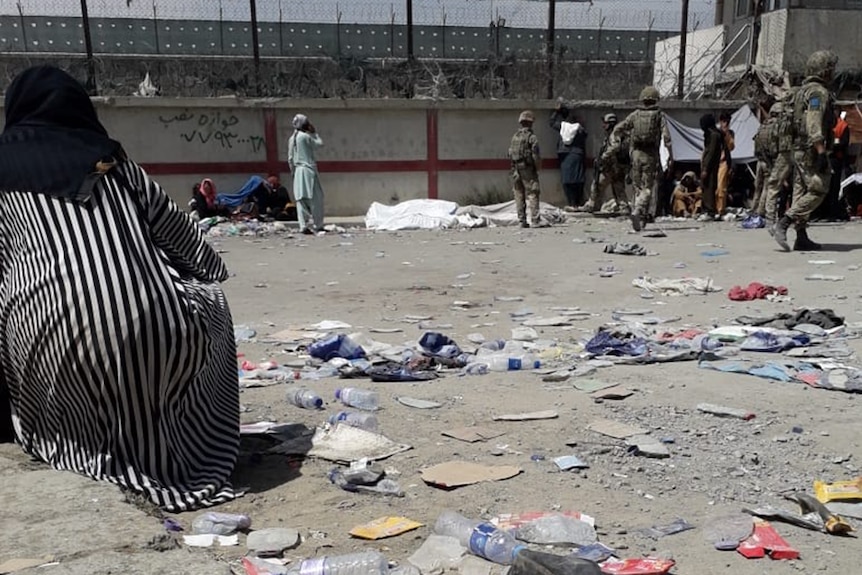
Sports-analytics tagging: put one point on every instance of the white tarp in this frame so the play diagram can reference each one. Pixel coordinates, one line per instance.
(688, 141)
(441, 214)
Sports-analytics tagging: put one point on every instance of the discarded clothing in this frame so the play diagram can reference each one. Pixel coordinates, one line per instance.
(606, 343)
(625, 249)
(825, 318)
(241, 195)
(753, 223)
(754, 291)
(676, 287)
(439, 345)
(773, 343)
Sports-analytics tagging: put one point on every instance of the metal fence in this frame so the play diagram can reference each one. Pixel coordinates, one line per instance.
(621, 30)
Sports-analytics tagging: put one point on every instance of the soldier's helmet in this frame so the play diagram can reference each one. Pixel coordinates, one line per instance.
(610, 118)
(821, 63)
(526, 116)
(777, 109)
(649, 94)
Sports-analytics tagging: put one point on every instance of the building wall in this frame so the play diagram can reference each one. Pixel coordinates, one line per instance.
(810, 30)
(375, 150)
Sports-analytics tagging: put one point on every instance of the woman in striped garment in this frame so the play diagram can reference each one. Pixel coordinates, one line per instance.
(117, 347)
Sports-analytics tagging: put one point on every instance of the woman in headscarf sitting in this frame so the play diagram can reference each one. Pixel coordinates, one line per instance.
(205, 201)
(116, 341)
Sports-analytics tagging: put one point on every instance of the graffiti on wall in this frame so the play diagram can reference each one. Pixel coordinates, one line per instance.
(219, 129)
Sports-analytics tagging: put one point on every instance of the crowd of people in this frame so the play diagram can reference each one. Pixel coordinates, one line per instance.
(266, 198)
(802, 150)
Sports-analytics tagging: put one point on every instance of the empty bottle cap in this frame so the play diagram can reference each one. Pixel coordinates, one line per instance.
(340, 416)
(318, 402)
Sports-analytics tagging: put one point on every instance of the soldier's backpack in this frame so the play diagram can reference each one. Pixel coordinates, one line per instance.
(646, 128)
(763, 146)
(519, 150)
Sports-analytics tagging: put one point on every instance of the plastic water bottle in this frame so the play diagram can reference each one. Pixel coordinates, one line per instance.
(482, 539)
(364, 563)
(500, 362)
(475, 368)
(358, 398)
(364, 421)
(304, 398)
(220, 523)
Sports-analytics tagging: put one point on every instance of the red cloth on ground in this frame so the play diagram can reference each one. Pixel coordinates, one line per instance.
(754, 290)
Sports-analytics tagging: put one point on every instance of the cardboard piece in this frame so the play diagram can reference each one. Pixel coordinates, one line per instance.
(591, 385)
(567, 462)
(766, 539)
(548, 414)
(418, 403)
(615, 429)
(509, 521)
(460, 473)
(648, 446)
(472, 434)
(615, 392)
(13, 565)
(385, 527)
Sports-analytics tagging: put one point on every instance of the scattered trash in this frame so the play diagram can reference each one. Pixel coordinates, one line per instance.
(714, 253)
(210, 539)
(386, 487)
(481, 539)
(365, 562)
(459, 473)
(616, 392)
(766, 540)
(838, 491)
(385, 527)
(557, 321)
(592, 385)
(658, 531)
(215, 523)
(437, 553)
(644, 566)
(304, 398)
(825, 278)
(338, 345)
(243, 333)
(727, 531)
(615, 429)
(269, 542)
(595, 552)
(647, 446)
(676, 287)
(418, 403)
(472, 434)
(529, 562)
(366, 421)
(722, 411)
(625, 249)
(343, 444)
(754, 291)
(548, 414)
(358, 398)
(569, 462)
(524, 334)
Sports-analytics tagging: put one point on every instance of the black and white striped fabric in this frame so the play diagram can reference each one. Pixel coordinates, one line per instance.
(116, 341)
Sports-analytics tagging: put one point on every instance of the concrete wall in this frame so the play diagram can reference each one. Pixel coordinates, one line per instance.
(810, 30)
(375, 150)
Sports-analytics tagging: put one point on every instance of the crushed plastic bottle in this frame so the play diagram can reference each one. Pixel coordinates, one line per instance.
(304, 398)
(220, 523)
(482, 539)
(363, 563)
(364, 421)
(358, 398)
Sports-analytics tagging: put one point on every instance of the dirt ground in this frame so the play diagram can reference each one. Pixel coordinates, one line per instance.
(373, 280)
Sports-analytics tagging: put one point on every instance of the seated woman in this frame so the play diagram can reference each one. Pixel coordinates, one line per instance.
(686, 198)
(205, 200)
(117, 341)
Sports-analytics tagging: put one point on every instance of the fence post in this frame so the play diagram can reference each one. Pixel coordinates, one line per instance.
(88, 44)
(683, 33)
(156, 27)
(549, 47)
(23, 27)
(256, 44)
(410, 30)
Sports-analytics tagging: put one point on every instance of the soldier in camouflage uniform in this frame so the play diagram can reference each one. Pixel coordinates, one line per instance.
(611, 172)
(643, 129)
(814, 117)
(781, 143)
(763, 151)
(524, 154)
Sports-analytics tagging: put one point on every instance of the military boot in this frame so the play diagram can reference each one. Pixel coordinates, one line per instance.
(779, 232)
(770, 224)
(803, 243)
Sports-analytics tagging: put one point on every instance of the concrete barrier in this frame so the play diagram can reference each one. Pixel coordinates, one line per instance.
(375, 150)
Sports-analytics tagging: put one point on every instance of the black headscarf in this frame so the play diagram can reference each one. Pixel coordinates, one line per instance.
(707, 124)
(53, 139)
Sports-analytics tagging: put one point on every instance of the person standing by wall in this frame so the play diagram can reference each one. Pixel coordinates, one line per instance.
(813, 109)
(307, 191)
(709, 165)
(645, 128)
(525, 157)
(833, 208)
(571, 152)
(610, 171)
(725, 166)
